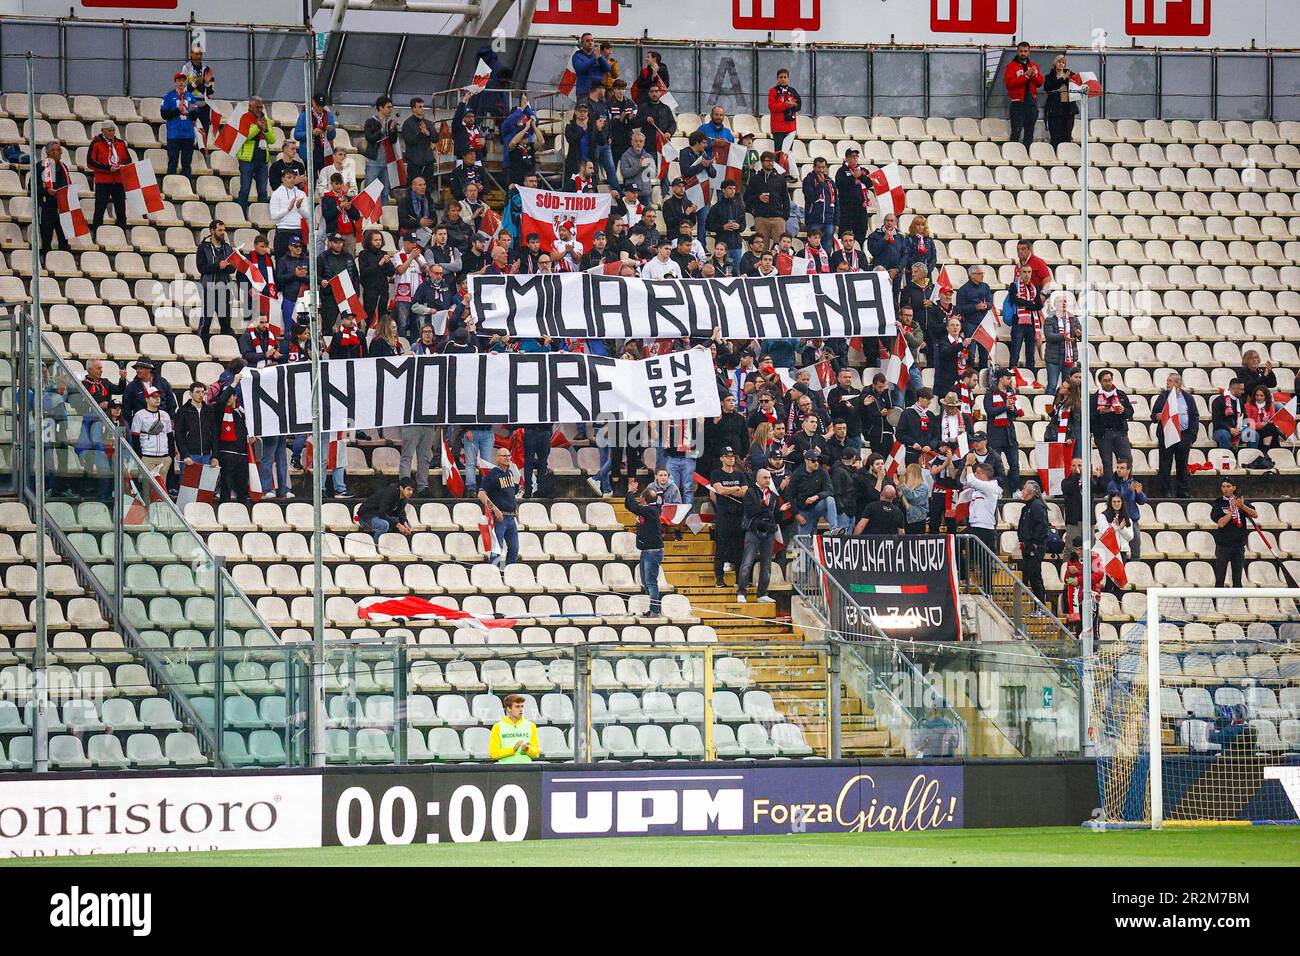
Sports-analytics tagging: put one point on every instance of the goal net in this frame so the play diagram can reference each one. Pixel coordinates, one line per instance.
(1195, 711)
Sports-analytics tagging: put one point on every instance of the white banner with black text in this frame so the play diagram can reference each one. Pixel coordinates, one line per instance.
(523, 388)
(584, 305)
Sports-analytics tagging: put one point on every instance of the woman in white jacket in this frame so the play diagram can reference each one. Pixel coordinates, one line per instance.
(1112, 514)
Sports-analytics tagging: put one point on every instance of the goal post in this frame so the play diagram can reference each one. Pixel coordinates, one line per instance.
(1196, 710)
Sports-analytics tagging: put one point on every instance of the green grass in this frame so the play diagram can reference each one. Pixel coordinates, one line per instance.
(1056, 846)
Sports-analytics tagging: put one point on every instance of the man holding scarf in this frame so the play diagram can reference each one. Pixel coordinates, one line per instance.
(1024, 309)
(1111, 413)
(1001, 411)
(1062, 334)
(1230, 513)
(53, 175)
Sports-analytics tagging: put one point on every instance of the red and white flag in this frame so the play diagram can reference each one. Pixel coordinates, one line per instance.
(674, 514)
(897, 459)
(668, 153)
(543, 211)
(346, 295)
(1052, 459)
(142, 193)
(393, 158)
(367, 204)
(568, 81)
(198, 483)
(728, 163)
(823, 376)
(699, 192)
(334, 446)
(898, 371)
(452, 479)
(1084, 85)
(986, 334)
(247, 269)
(487, 534)
(271, 305)
(232, 135)
(1107, 549)
(71, 217)
(411, 607)
(1284, 413)
(1026, 381)
(482, 73)
(255, 490)
(1171, 427)
(887, 184)
(957, 504)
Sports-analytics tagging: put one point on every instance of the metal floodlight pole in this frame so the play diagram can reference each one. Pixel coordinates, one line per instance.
(319, 454)
(1089, 610)
(40, 672)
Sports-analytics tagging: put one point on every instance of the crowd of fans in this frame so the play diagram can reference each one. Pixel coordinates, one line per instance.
(800, 440)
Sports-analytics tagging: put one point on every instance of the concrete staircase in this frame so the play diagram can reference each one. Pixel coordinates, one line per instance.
(795, 679)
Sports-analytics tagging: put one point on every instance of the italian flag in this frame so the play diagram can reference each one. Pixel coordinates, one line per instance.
(889, 589)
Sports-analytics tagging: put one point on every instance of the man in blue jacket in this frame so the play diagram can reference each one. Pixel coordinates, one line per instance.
(179, 108)
(1130, 491)
(588, 65)
(974, 299)
(716, 127)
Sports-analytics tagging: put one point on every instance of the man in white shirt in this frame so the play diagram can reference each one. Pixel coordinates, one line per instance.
(343, 168)
(287, 207)
(983, 519)
(151, 434)
(662, 265)
(567, 250)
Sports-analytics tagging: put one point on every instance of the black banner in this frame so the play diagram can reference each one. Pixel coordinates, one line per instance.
(904, 584)
(430, 806)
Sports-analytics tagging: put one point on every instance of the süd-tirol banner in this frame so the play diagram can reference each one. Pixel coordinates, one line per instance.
(906, 585)
(584, 305)
(544, 211)
(555, 387)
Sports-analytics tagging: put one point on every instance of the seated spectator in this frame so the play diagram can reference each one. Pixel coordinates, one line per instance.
(415, 210)
(385, 509)
(1266, 435)
(716, 127)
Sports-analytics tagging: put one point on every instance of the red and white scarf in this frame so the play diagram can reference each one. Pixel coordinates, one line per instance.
(228, 426)
(1026, 316)
(1062, 424)
(1109, 401)
(818, 260)
(49, 175)
(951, 426)
(1003, 402)
(677, 434)
(967, 399)
(1231, 406)
(963, 356)
(348, 338)
(1068, 356)
(320, 121)
(261, 342)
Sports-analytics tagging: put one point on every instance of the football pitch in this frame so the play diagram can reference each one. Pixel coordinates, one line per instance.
(1047, 846)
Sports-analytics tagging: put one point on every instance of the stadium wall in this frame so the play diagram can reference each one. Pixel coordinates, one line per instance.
(66, 815)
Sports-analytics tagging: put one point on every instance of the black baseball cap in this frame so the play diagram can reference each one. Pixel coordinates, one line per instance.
(727, 450)
(810, 455)
(335, 235)
(979, 436)
(678, 182)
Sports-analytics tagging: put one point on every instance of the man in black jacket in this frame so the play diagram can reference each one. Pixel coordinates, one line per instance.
(727, 489)
(1032, 532)
(649, 537)
(726, 221)
(1232, 515)
(1111, 412)
(385, 509)
(918, 427)
(678, 209)
(728, 430)
(1001, 411)
(761, 505)
(133, 394)
(51, 176)
(415, 210)
(191, 438)
(380, 127)
(768, 198)
(292, 273)
(813, 497)
(853, 187)
(227, 435)
(215, 280)
(654, 118)
(877, 403)
(883, 516)
(330, 263)
(417, 135)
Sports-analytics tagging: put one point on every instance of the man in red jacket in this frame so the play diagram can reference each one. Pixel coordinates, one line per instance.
(784, 103)
(107, 156)
(1023, 78)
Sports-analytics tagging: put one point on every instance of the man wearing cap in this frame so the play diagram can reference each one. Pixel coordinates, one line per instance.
(983, 518)
(727, 220)
(820, 202)
(333, 261)
(728, 486)
(597, 255)
(813, 496)
(106, 157)
(974, 300)
(1001, 410)
(216, 280)
(179, 108)
(768, 198)
(133, 395)
(152, 436)
(288, 208)
(253, 155)
(291, 277)
(200, 82)
(678, 209)
(853, 189)
(322, 133)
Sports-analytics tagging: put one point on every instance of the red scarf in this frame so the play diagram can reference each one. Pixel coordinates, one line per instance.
(1027, 316)
(48, 176)
(1110, 402)
(1062, 424)
(967, 399)
(920, 244)
(345, 226)
(348, 338)
(261, 345)
(228, 426)
(1067, 342)
(818, 261)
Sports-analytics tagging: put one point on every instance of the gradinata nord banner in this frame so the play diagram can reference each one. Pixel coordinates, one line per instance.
(480, 389)
(904, 584)
(585, 305)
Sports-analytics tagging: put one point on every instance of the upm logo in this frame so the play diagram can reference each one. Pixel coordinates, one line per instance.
(973, 16)
(592, 13)
(776, 14)
(1169, 18)
(635, 804)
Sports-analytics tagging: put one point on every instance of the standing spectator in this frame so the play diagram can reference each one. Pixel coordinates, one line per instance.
(883, 516)
(418, 137)
(537, 449)
(611, 78)
(1062, 333)
(784, 103)
(100, 390)
(1110, 417)
(974, 300)
(759, 521)
(622, 117)
(1032, 532)
(653, 76)
(519, 141)
(1072, 497)
(951, 358)
(918, 427)
(291, 277)
(589, 67)
(1115, 515)
(844, 482)
(152, 435)
(1060, 112)
(380, 127)
(497, 495)
(658, 123)
(598, 110)
(376, 269)
(336, 213)
(728, 486)
(322, 131)
(331, 262)
(584, 138)
(820, 202)
(288, 210)
(983, 520)
(385, 509)
(888, 249)
(52, 175)
(1024, 308)
(215, 279)
(289, 159)
(133, 394)
(648, 510)
(1230, 513)
(106, 157)
(726, 220)
(1188, 422)
(1131, 494)
(1228, 415)
(915, 490)
(679, 212)
(348, 341)
(179, 108)
(944, 472)
(1038, 268)
(662, 266)
(637, 167)
(848, 258)
(201, 83)
(854, 188)
(227, 434)
(465, 133)
(716, 127)
(192, 445)
(1001, 411)
(1023, 78)
(768, 198)
(253, 155)
(919, 246)
(405, 284)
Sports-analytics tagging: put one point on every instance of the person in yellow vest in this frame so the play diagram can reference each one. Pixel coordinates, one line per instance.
(514, 738)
